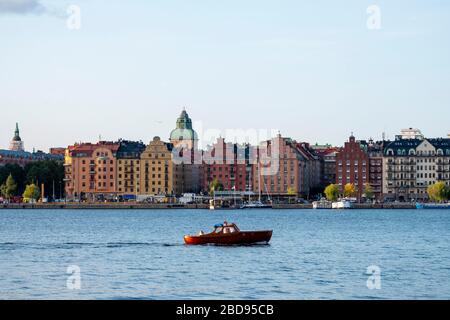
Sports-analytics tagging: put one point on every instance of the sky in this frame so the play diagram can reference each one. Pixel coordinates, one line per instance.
(313, 70)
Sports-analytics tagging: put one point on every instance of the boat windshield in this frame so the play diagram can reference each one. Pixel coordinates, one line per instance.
(229, 230)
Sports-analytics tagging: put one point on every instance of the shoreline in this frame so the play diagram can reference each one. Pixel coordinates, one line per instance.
(134, 206)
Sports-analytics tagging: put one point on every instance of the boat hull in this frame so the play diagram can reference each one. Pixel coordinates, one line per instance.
(257, 207)
(242, 237)
(433, 206)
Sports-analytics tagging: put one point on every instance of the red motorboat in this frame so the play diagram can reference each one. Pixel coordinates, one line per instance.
(229, 234)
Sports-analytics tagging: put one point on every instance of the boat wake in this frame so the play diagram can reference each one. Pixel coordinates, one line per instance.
(10, 246)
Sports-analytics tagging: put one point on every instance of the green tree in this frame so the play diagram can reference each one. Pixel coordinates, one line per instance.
(3, 190)
(18, 174)
(438, 192)
(11, 187)
(215, 186)
(31, 193)
(349, 190)
(332, 192)
(48, 172)
(368, 191)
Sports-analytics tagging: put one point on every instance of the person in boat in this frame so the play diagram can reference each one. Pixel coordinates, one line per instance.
(230, 228)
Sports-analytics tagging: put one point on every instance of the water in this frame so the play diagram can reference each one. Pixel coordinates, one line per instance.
(141, 255)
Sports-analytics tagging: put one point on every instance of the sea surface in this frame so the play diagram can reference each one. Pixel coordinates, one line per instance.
(141, 255)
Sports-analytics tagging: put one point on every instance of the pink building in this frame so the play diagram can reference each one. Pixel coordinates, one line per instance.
(229, 164)
(286, 168)
(91, 171)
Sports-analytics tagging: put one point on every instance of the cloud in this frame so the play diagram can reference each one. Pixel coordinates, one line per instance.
(21, 7)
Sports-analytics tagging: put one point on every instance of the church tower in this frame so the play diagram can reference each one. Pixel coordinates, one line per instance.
(16, 142)
(184, 136)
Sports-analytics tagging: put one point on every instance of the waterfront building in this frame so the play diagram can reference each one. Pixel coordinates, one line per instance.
(327, 157)
(375, 153)
(410, 165)
(313, 169)
(90, 171)
(16, 143)
(157, 169)
(353, 166)
(128, 168)
(186, 157)
(229, 164)
(285, 168)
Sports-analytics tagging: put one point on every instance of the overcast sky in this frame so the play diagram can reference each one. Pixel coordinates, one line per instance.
(312, 69)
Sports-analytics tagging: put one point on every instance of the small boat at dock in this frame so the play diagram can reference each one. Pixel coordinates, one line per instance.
(322, 204)
(343, 204)
(256, 205)
(229, 234)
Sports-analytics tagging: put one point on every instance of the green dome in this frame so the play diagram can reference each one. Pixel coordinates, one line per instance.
(184, 129)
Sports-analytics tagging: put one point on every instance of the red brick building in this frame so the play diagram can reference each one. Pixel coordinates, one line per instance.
(359, 163)
(229, 164)
(352, 166)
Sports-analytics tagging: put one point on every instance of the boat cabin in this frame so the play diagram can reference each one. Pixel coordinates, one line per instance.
(226, 228)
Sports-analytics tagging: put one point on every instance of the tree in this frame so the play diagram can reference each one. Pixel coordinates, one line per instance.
(438, 192)
(368, 191)
(48, 172)
(3, 190)
(349, 190)
(17, 172)
(215, 186)
(291, 191)
(31, 193)
(10, 187)
(332, 192)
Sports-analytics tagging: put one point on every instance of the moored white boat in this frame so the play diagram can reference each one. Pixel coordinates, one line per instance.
(343, 204)
(256, 205)
(322, 204)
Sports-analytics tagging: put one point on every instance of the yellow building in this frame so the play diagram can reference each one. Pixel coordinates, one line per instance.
(128, 168)
(156, 169)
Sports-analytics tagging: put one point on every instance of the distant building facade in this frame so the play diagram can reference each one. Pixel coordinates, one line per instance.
(157, 169)
(187, 170)
(58, 151)
(352, 166)
(90, 171)
(285, 168)
(410, 165)
(229, 164)
(129, 168)
(327, 156)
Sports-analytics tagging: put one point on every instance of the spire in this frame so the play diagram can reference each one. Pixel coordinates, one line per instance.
(17, 133)
(16, 143)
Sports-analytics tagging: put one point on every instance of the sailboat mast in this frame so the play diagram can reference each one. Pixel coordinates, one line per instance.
(259, 179)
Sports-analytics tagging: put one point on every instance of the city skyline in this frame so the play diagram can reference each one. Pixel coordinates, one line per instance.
(313, 71)
(207, 143)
